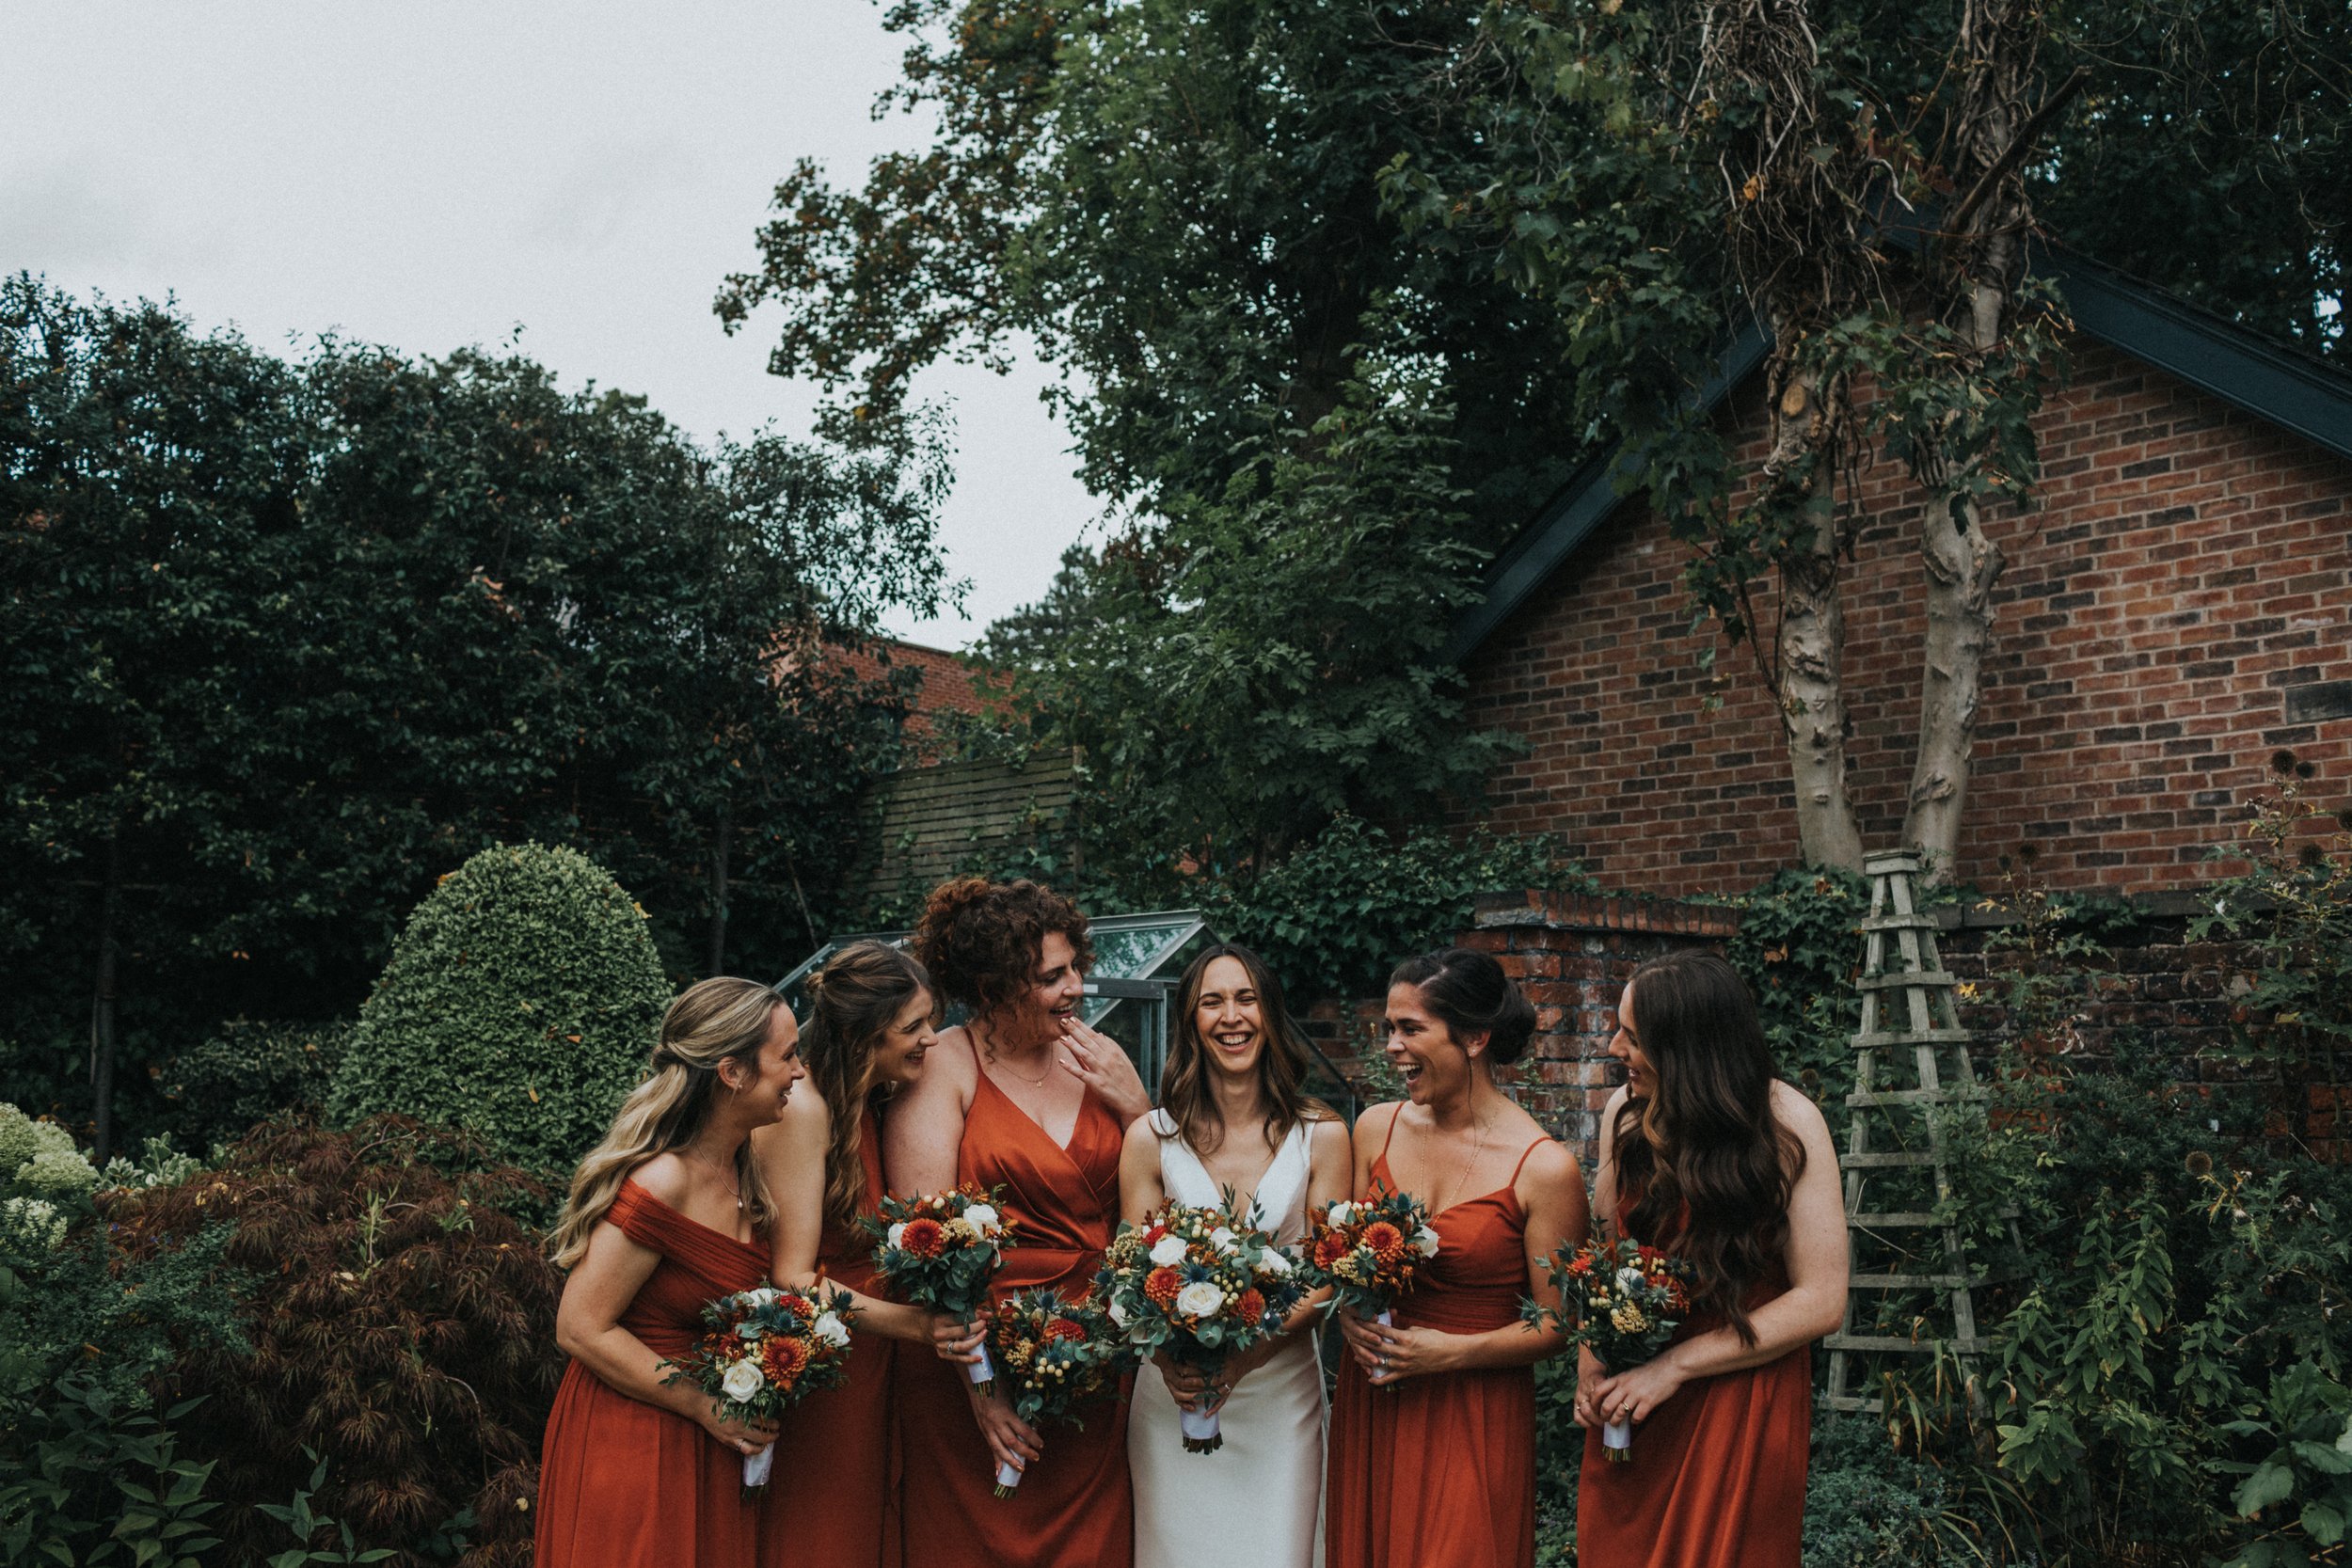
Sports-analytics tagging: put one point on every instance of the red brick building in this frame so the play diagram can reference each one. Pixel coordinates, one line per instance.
(2178, 608)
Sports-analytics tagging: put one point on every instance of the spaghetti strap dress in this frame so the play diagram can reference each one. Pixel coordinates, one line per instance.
(1718, 1474)
(1074, 1508)
(1439, 1471)
(833, 1498)
(626, 1484)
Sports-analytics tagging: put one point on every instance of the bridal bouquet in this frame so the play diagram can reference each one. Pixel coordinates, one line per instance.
(761, 1352)
(1202, 1286)
(938, 1251)
(1055, 1355)
(1370, 1253)
(1628, 1299)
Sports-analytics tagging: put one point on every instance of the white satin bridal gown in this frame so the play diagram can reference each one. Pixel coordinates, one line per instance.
(1257, 1502)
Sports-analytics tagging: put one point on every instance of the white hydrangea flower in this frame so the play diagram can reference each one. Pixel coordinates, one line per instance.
(1200, 1299)
(1425, 1242)
(1168, 1251)
(831, 1329)
(34, 1219)
(741, 1382)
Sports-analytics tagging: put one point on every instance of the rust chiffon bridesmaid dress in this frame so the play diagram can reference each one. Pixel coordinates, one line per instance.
(1717, 1478)
(626, 1484)
(833, 1502)
(1440, 1472)
(1074, 1508)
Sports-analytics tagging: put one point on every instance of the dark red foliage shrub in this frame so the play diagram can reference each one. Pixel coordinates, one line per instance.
(403, 1326)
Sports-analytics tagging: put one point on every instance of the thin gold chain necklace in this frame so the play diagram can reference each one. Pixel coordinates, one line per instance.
(1037, 1083)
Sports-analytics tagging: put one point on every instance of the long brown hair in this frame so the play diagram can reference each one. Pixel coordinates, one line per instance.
(852, 1001)
(1707, 1164)
(1186, 1091)
(711, 1022)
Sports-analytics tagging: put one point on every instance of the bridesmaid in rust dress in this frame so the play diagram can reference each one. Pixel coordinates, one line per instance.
(667, 1214)
(1027, 1097)
(1723, 1418)
(1432, 1424)
(873, 1011)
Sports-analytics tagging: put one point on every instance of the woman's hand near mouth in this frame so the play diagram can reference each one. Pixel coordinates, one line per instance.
(1103, 1067)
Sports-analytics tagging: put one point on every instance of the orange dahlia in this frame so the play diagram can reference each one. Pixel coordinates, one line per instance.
(1065, 1328)
(1385, 1240)
(1250, 1305)
(782, 1359)
(1161, 1285)
(1329, 1248)
(923, 1237)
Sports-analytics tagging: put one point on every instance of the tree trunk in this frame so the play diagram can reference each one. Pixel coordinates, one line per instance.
(723, 843)
(1811, 641)
(102, 1012)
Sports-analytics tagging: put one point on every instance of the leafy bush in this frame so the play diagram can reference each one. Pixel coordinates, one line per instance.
(1339, 912)
(249, 1070)
(2292, 904)
(38, 1160)
(402, 1328)
(1867, 1506)
(1798, 948)
(519, 1004)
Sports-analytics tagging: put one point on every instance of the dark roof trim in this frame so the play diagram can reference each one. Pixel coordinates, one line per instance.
(2216, 355)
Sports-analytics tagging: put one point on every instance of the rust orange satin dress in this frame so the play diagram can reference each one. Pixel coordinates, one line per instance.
(624, 1483)
(1717, 1478)
(1074, 1508)
(833, 1500)
(1440, 1472)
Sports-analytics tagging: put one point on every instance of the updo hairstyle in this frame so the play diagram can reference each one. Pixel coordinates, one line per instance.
(1469, 992)
(980, 940)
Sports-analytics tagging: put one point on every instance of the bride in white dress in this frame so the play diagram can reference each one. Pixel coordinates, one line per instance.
(1231, 1120)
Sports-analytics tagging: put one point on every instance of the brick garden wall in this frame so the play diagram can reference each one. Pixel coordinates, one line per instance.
(2179, 608)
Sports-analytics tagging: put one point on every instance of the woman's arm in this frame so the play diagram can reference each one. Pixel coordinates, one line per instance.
(588, 1328)
(1141, 1189)
(1551, 1191)
(1813, 1304)
(791, 1157)
(923, 1135)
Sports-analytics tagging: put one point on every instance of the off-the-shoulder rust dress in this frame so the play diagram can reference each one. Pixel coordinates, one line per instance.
(626, 1484)
(1439, 1471)
(835, 1496)
(1717, 1478)
(1074, 1508)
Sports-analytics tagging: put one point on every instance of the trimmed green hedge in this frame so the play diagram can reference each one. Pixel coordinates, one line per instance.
(520, 1004)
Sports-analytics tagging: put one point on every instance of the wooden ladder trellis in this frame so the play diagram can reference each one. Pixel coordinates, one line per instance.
(1901, 1233)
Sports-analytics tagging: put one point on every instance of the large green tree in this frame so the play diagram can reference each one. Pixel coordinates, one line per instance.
(286, 641)
(1306, 432)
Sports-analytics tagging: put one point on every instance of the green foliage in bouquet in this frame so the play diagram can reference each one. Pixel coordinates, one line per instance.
(247, 1071)
(398, 1320)
(520, 1004)
(1057, 1356)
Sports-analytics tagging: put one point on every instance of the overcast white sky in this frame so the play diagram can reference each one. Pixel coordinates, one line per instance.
(429, 175)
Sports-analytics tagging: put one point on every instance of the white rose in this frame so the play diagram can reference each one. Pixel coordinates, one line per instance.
(1342, 1212)
(1200, 1299)
(1168, 1251)
(741, 1382)
(1274, 1262)
(831, 1329)
(982, 1217)
(895, 1231)
(767, 1296)
(1425, 1243)
(1222, 1239)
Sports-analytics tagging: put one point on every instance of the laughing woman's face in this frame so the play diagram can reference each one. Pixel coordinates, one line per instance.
(1422, 1050)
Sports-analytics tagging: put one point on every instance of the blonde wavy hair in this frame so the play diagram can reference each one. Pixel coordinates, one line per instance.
(711, 1022)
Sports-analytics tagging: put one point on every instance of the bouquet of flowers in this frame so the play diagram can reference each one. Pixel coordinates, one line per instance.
(1202, 1286)
(761, 1351)
(938, 1251)
(1370, 1253)
(1628, 1299)
(1056, 1355)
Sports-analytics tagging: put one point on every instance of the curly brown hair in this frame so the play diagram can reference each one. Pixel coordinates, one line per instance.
(980, 940)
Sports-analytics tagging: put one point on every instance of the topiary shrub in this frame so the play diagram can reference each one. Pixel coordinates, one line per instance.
(519, 1004)
(400, 1325)
(248, 1071)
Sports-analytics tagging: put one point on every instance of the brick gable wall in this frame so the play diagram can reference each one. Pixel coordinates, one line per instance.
(2179, 607)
